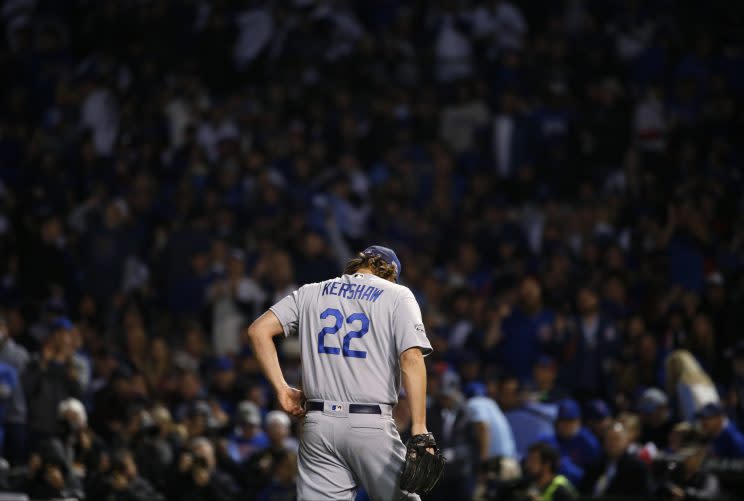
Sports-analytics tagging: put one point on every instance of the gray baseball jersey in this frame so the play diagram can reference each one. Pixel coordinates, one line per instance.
(352, 330)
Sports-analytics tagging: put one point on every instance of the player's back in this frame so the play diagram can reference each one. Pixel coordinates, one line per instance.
(351, 339)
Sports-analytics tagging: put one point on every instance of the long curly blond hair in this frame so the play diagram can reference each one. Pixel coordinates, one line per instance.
(681, 367)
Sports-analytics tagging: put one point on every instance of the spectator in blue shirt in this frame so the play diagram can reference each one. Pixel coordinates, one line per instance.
(15, 358)
(598, 417)
(726, 439)
(9, 394)
(578, 446)
(492, 431)
(249, 438)
(526, 331)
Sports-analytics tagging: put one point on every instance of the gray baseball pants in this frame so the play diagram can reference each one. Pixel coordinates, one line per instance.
(340, 452)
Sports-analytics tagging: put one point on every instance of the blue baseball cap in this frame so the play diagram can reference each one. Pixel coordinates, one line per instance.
(475, 389)
(568, 409)
(387, 254)
(223, 364)
(597, 410)
(652, 399)
(60, 324)
(710, 409)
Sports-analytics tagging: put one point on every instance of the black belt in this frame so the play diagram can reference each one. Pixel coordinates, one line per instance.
(316, 405)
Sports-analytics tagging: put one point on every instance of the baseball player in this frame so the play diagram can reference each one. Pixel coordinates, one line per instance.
(361, 335)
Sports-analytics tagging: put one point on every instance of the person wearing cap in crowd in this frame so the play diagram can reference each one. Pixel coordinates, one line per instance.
(49, 379)
(541, 468)
(726, 439)
(577, 445)
(248, 437)
(260, 467)
(656, 419)
(224, 387)
(619, 472)
(493, 435)
(543, 387)
(691, 482)
(279, 430)
(597, 417)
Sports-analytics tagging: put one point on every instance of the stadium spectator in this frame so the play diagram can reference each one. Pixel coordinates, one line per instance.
(197, 478)
(83, 449)
(16, 358)
(579, 449)
(234, 298)
(689, 383)
(597, 417)
(49, 474)
(620, 473)
(528, 328)
(589, 348)
(122, 482)
(49, 379)
(656, 419)
(248, 438)
(541, 465)
(493, 436)
(690, 481)
(283, 486)
(266, 469)
(543, 387)
(448, 418)
(224, 386)
(726, 439)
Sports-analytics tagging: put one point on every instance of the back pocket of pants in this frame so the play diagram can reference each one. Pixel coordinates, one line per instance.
(367, 428)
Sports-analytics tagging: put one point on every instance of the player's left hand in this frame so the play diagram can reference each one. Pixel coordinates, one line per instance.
(291, 400)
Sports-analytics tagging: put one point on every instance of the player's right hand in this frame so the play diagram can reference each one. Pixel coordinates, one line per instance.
(290, 400)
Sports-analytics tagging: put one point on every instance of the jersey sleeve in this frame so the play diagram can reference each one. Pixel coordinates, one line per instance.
(288, 312)
(408, 326)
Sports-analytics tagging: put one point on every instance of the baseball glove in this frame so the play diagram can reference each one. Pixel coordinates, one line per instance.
(422, 469)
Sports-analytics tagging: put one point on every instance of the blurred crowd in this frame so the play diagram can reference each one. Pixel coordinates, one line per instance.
(561, 180)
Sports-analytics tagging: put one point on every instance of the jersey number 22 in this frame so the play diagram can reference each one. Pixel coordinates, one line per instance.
(330, 350)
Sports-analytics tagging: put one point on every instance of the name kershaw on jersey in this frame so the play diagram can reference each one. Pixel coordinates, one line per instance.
(352, 291)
